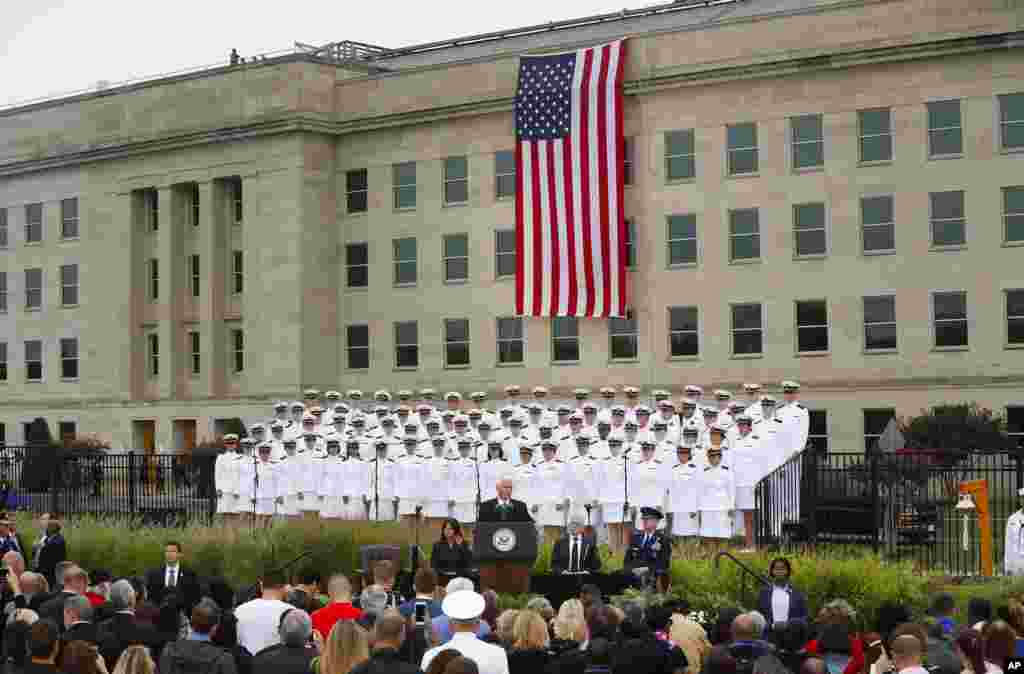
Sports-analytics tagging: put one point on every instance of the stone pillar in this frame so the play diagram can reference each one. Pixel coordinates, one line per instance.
(173, 286)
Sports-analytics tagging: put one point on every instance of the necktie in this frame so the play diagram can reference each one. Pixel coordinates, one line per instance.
(504, 511)
(573, 555)
(172, 580)
(647, 539)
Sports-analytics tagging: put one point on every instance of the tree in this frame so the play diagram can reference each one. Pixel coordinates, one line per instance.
(41, 457)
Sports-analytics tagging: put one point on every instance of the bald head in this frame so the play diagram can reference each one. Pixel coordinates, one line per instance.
(389, 630)
(15, 562)
(504, 489)
(906, 651)
(744, 628)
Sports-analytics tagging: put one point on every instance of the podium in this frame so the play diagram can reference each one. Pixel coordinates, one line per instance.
(505, 552)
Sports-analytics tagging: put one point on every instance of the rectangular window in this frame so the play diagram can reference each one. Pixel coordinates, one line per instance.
(510, 341)
(875, 131)
(950, 319)
(504, 253)
(565, 339)
(237, 211)
(808, 139)
(193, 203)
(238, 350)
(880, 323)
(945, 132)
(195, 351)
(1011, 121)
(405, 261)
(878, 228)
(623, 337)
(747, 330)
(504, 174)
(744, 235)
(817, 431)
(875, 422)
(682, 239)
(680, 155)
(809, 235)
(456, 342)
(237, 272)
(357, 343)
(69, 218)
(33, 289)
(683, 334)
(193, 272)
(741, 140)
(69, 358)
(456, 180)
(627, 161)
(949, 224)
(630, 244)
(33, 360)
(357, 265)
(404, 183)
(1013, 214)
(1015, 317)
(811, 326)
(3, 361)
(357, 190)
(407, 344)
(151, 209)
(455, 251)
(69, 285)
(1015, 424)
(33, 223)
(154, 279)
(4, 231)
(3, 292)
(153, 351)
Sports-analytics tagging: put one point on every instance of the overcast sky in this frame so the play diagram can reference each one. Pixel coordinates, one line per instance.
(52, 47)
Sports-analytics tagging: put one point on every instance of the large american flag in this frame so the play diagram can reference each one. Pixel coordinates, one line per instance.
(570, 229)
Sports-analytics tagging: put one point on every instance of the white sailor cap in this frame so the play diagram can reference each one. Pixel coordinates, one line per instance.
(404, 394)
(427, 393)
(744, 419)
(563, 409)
(332, 395)
(447, 414)
(308, 418)
(280, 405)
(290, 442)
(475, 413)
(358, 420)
(230, 437)
(737, 406)
(309, 436)
(694, 390)
(589, 408)
(608, 391)
(354, 394)
(643, 409)
(265, 446)
(647, 442)
(535, 408)
(550, 443)
(410, 439)
(513, 389)
(438, 439)
(465, 441)
(751, 387)
(722, 394)
(516, 420)
(277, 426)
(478, 396)
(257, 427)
(768, 400)
(341, 407)
(453, 395)
(666, 404)
(311, 393)
(631, 391)
(790, 386)
(540, 390)
(387, 421)
(710, 412)
(380, 410)
(661, 394)
(581, 393)
(382, 396)
(584, 437)
(333, 442)
(460, 420)
(424, 409)
(297, 406)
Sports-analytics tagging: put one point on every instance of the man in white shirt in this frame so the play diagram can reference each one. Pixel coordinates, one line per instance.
(258, 620)
(907, 652)
(464, 609)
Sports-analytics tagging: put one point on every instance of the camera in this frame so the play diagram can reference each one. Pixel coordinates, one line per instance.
(421, 614)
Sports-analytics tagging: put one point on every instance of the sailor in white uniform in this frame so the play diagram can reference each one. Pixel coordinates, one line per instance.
(1013, 551)
(682, 495)
(226, 472)
(716, 498)
(524, 476)
(746, 464)
(648, 480)
(493, 468)
(612, 491)
(795, 427)
(753, 401)
(382, 484)
(551, 493)
(438, 484)
(410, 487)
(463, 486)
(330, 480)
(582, 481)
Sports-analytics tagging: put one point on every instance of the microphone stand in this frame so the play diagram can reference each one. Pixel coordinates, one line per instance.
(255, 491)
(625, 487)
(376, 489)
(476, 465)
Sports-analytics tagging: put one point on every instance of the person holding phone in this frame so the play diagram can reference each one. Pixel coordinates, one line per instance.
(425, 584)
(451, 556)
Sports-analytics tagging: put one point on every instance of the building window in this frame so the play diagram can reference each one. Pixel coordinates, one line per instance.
(456, 342)
(33, 360)
(33, 289)
(808, 139)
(505, 253)
(357, 190)
(1011, 121)
(682, 240)
(3, 361)
(880, 323)
(510, 341)
(1015, 424)
(154, 279)
(404, 181)
(875, 131)
(623, 337)
(3, 292)
(744, 235)
(237, 272)
(950, 316)
(504, 174)
(357, 265)
(1013, 214)
(237, 211)
(811, 326)
(4, 231)
(747, 330)
(193, 272)
(878, 229)
(151, 209)
(949, 225)
(810, 236)
(565, 339)
(69, 218)
(630, 244)
(742, 148)
(455, 251)
(69, 358)
(875, 422)
(945, 132)
(69, 285)
(238, 350)
(627, 160)
(1015, 317)
(817, 431)
(153, 351)
(195, 351)
(193, 203)
(680, 155)
(683, 335)
(456, 180)
(33, 223)
(407, 344)
(405, 261)
(358, 347)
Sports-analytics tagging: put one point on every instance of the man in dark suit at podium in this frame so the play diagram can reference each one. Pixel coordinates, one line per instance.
(504, 508)
(575, 552)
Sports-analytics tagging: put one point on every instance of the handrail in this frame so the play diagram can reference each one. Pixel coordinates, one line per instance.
(746, 569)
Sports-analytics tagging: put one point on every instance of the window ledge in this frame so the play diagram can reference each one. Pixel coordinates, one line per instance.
(813, 354)
(404, 285)
(1013, 244)
(943, 157)
(949, 349)
(407, 209)
(876, 253)
(510, 365)
(33, 310)
(746, 356)
(70, 239)
(1011, 150)
(505, 197)
(457, 204)
(34, 381)
(33, 243)
(458, 367)
(753, 260)
(815, 256)
(683, 359)
(457, 282)
(559, 363)
(740, 176)
(875, 162)
(947, 249)
(357, 369)
(807, 169)
(357, 289)
(69, 380)
(69, 306)
(879, 352)
(623, 361)
(1013, 346)
(684, 181)
(357, 214)
(406, 368)
(683, 265)
(504, 279)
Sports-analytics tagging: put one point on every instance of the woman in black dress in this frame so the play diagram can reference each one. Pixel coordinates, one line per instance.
(451, 555)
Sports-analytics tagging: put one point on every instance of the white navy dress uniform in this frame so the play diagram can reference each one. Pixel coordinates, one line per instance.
(716, 498)
(226, 471)
(795, 427)
(462, 489)
(382, 485)
(439, 479)
(493, 469)
(1013, 555)
(682, 498)
(648, 480)
(525, 480)
(410, 488)
(582, 474)
(613, 481)
(551, 490)
(330, 481)
(290, 472)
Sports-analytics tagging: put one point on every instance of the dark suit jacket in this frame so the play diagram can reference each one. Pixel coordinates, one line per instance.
(386, 661)
(123, 630)
(188, 588)
(797, 604)
(53, 607)
(656, 555)
(560, 556)
(53, 552)
(451, 560)
(489, 512)
(81, 632)
(282, 659)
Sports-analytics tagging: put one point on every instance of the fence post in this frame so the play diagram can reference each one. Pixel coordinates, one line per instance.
(810, 470)
(872, 458)
(210, 486)
(132, 482)
(56, 467)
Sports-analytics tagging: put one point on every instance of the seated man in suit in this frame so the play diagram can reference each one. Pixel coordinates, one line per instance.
(649, 549)
(174, 577)
(504, 508)
(576, 551)
(52, 551)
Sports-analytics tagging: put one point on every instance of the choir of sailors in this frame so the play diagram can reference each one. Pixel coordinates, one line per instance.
(349, 460)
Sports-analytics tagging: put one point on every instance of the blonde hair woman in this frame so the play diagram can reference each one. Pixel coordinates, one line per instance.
(570, 623)
(529, 653)
(506, 625)
(693, 640)
(346, 647)
(135, 660)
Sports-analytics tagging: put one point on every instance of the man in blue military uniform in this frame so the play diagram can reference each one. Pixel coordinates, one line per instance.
(650, 552)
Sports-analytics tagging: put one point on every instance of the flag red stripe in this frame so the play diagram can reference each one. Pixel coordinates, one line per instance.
(552, 205)
(602, 180)
(538, 239)
(520, 225)
(584, 163)
(570, 224)
(620, 218)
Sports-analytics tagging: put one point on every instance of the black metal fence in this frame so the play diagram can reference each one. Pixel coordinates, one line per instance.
(166, 489)
(901, 505)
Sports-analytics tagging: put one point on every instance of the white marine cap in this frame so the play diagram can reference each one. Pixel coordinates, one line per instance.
(722, 394)
(631, 391)
(464, 605)
(540, 390)
(693, 389)
(297, 406)
(354, 394)
(751, 387)
(478, 395)
(404, 394)
(453, 395)
(790, 385)
(280, 405)
(332, 395)
(427, 393)
(608, 391)
(513, 389)
(382, 395)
